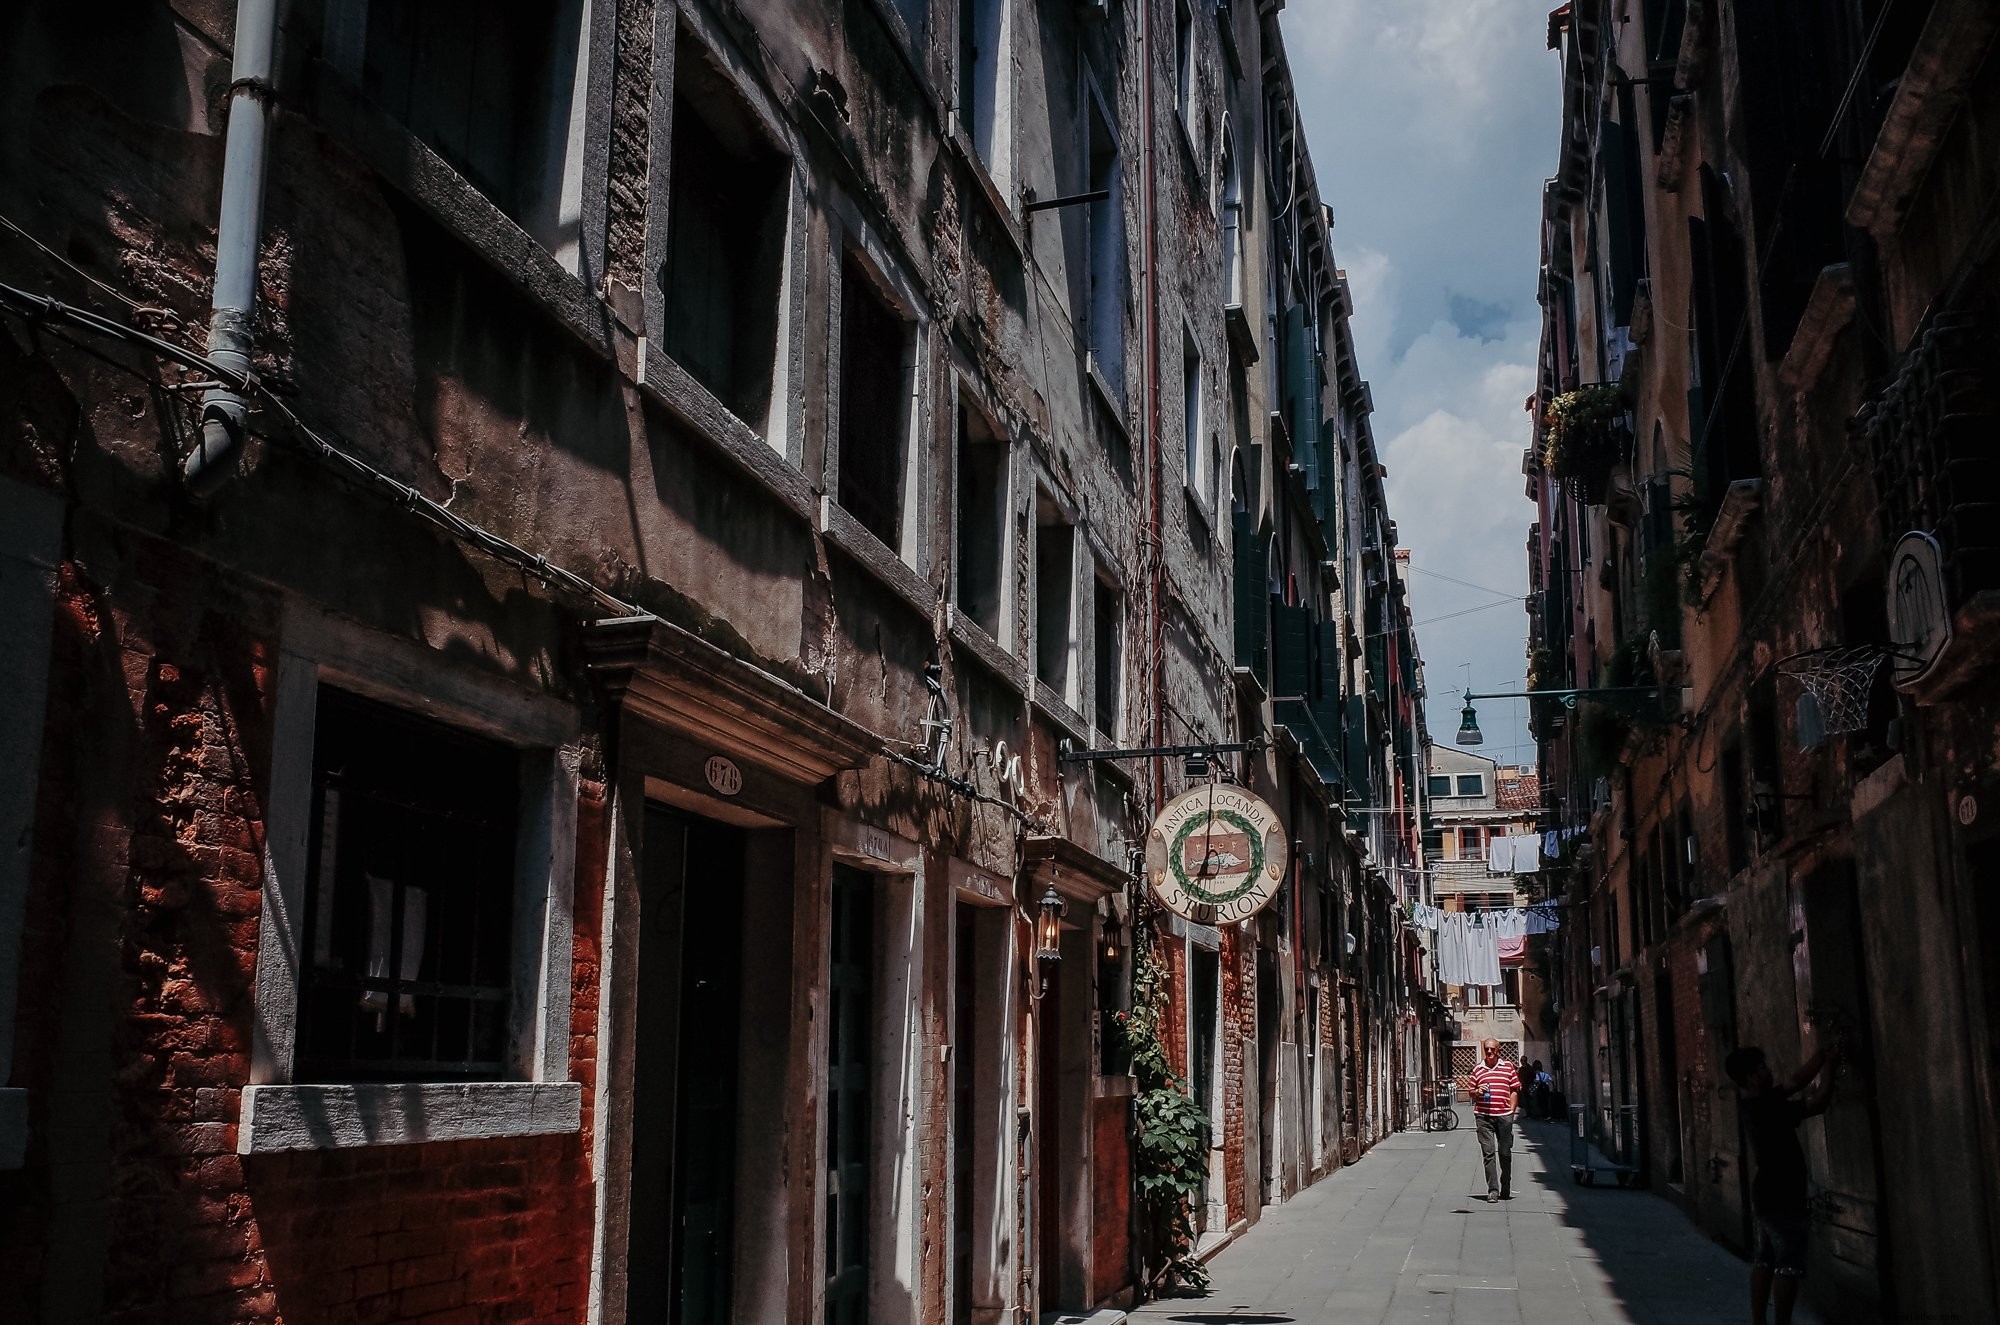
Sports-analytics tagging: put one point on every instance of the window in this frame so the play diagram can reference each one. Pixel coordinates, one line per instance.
(1232, 221)
(1471, 843)
(1055, 586)
(1191, 418)
(727, 222)
(984, 93)
(491, 88)
(1471, 784)
(409, 899)
(878, 371)
(1105, 260)
(1184, 61)
(1440, 784)
(1108, 644)
(1434, 843)
(981, 561)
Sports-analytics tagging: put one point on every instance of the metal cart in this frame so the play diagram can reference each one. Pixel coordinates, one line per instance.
(1587, 1156)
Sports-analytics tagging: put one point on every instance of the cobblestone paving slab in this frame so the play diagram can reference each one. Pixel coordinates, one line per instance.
(1406, 1236)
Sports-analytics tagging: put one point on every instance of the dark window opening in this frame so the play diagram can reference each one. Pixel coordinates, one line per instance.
(727, 220)
(1106, 257)
(1055, 576)
(1440, 784)
(1108, 640)
(982, 519)
(409, 899)
(1471, 784)
(981, 26)
(488, 87)
(877, 379)
(1184, 61)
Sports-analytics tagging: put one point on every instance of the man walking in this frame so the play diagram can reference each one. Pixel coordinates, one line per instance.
(1495, 1087)
(1771, 1118)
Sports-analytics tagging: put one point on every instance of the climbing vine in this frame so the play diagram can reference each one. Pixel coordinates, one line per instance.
(1170, 1157)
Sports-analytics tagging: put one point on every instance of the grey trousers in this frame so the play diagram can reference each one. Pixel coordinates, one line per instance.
(1496, 1146)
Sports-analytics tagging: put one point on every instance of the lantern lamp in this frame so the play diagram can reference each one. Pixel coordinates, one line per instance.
(1468, 725)
(1048, 927)
(1114, 939)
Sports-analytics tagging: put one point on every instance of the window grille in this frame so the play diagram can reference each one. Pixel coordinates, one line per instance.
(409, 918)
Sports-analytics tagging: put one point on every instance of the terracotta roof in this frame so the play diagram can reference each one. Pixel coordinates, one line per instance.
(1521, 793)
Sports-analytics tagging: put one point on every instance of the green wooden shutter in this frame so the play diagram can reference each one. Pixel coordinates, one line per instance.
(1291, 661)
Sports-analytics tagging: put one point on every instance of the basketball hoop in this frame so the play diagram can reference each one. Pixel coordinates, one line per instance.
(1841, 681)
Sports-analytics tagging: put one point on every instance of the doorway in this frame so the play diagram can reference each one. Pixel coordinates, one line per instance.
(687, 1041)
(850, 1005)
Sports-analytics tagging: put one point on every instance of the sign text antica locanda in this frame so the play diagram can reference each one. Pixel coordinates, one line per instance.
(1216, 855)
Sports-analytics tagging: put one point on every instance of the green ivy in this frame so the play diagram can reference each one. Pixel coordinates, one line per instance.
(1170, 1155)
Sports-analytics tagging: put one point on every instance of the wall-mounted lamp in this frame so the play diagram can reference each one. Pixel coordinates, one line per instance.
(1048, 927)
(1114, 939)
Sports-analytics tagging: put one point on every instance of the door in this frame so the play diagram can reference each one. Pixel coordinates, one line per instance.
(849, 1008)
(962, 1116)
(681, 1249)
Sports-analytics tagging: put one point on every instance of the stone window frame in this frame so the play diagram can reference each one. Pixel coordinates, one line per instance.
(906, 568)
(777, 455)
(31, 530)
(280, 1114)
(1001, 651)
(566, 288)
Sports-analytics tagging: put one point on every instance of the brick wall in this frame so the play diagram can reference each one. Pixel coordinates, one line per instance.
(136, 1017)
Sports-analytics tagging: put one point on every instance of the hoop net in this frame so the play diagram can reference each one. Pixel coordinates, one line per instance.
(1841, 682)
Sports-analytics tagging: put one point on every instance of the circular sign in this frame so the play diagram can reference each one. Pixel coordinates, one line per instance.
(1968, 810)
(1919, 622)
(723, 775)
(1216, 855)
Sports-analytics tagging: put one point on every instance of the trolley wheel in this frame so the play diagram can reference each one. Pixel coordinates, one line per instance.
(1450, 1119)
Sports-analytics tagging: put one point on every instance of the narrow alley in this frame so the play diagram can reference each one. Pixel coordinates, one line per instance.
(1406, 1235)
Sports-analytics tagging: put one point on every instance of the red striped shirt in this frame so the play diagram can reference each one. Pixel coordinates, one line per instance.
(1492, 1087)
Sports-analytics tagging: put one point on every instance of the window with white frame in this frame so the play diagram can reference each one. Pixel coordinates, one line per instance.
(1232, 220)
(1104, 258)
(878, 404)
(1107, 645)
(1055, 599)
(1184, 62)
(985, 93)
(1471, 784)
(1192, 424)
(413, 967)
(496, 90)
(985, 465)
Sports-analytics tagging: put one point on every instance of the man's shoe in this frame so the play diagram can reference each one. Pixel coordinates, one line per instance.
(1492, 1197)
(1506, 1195)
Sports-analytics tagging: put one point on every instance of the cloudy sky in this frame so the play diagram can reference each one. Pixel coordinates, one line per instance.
(1432, 124)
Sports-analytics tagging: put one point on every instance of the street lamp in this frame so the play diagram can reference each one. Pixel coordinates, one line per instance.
(1114, 939)
(1468, 718)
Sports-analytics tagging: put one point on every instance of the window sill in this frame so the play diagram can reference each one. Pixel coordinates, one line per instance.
(337, 1117)
(406, 163)
(874, 556)
(1114, 408)
(13, 1127)
(983, 184)
(1056, 710)
(987, 651)
(690, 402)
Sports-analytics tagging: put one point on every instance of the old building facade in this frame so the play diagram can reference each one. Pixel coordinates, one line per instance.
(1768, 283)
(543, 800)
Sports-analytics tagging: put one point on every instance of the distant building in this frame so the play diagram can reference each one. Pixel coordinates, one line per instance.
(1472, 802)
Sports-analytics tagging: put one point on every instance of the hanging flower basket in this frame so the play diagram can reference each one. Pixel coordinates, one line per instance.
(1584, 435)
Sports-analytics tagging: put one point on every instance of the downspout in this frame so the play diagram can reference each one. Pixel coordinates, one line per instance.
(238, 233)
(1150, 410)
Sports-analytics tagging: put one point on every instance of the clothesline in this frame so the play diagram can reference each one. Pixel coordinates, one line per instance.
(1472, 946)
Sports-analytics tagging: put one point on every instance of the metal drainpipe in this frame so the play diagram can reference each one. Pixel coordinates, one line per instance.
(238, 234)
(1149, 424)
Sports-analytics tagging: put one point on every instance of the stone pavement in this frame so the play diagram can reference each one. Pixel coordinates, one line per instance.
(1406, 1235)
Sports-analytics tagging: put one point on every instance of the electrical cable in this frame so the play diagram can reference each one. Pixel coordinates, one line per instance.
(40, 309)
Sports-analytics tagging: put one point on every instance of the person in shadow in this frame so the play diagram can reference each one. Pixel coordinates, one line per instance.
(1772, 1111)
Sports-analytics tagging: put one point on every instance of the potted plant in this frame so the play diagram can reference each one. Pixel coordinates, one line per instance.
(1583, 438)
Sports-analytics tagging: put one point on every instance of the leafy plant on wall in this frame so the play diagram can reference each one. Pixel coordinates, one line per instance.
(1170, 1153)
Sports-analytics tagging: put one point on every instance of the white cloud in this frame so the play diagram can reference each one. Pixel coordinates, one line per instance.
(1432, 124)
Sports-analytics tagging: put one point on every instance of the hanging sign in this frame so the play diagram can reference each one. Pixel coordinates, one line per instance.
(1216, 855)
(1919, 621)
